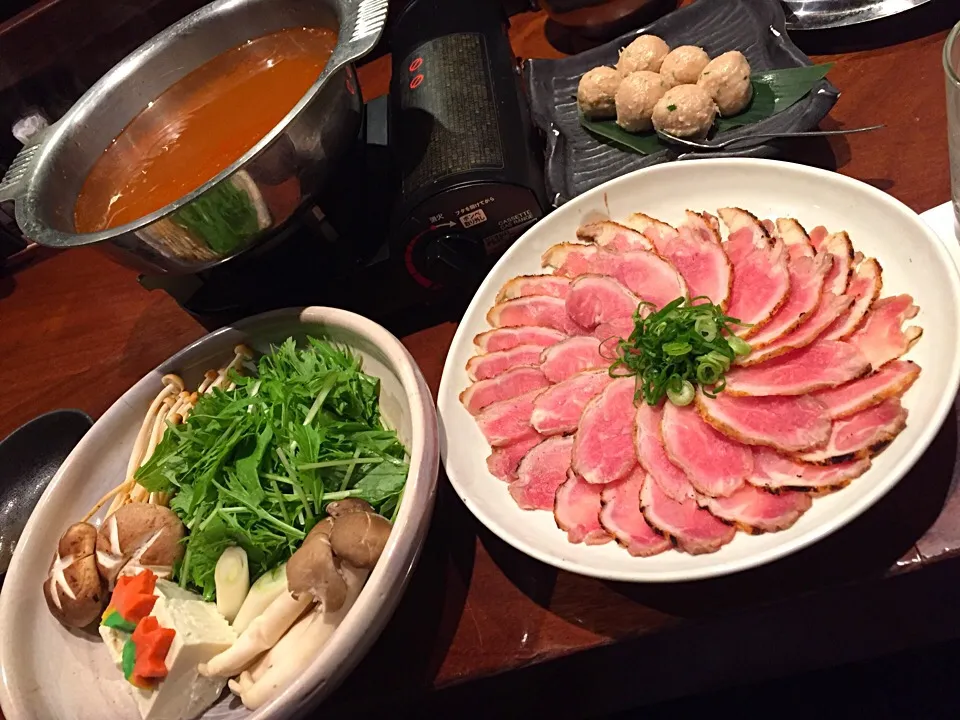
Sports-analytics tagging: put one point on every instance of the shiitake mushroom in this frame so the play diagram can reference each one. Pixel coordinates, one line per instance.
(74, 590)
(139, 534)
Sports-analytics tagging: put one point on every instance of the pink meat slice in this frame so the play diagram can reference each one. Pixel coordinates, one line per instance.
(653, 458)
(603, 449)
(865, 285)
(646, 274)
(882, 337)
(830, 308)
(761, 280)
(694, 249)
(789, 424)
(758, 511)
(775, 472)
(823, 364)
(609, 334)
(571, 356)
(694, 530)
(806, 288)
(526, 285)
(795, 238)
(538, 310)
(576, 509)
(541, 472)
(817, 237)
(503, 387)
(892, 380)
(714, 464)
(576, 255)
(511, 337)
(613, 236)
(620, 328)
(504, 461)
(621, 517)
(598, 299)
(481, 367)
(558, 408)
(839, 247)
(862, 434)
(507, 421)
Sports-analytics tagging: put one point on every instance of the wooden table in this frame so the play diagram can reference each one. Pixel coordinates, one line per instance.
(78, 330)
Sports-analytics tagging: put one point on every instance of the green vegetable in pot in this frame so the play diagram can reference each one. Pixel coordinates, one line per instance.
(255, 466)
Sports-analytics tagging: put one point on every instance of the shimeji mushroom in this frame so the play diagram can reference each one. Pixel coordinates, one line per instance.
(137, 492)
(208, 377)
(172, 384)
(241, 353)
(74, 590)
(139, 535)
(175, 415)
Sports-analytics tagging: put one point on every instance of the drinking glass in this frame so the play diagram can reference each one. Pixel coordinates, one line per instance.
(951, 65)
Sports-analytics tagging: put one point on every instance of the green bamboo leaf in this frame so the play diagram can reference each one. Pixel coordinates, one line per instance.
(773, 92)
(762, 106)
(608, 130)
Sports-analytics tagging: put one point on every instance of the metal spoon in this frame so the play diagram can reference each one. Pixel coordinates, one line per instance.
(699, 145)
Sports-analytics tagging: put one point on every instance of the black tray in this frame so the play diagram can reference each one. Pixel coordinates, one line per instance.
(577, 161)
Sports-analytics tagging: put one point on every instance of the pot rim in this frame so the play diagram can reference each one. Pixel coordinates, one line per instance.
(361, 23)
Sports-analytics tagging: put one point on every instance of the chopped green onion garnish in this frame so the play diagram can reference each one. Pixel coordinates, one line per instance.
(684, 396)
(739, 346)
(674, 350)
(706, 327)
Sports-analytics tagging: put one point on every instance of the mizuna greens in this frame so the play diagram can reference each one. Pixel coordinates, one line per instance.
(256, 465)
(676, 348)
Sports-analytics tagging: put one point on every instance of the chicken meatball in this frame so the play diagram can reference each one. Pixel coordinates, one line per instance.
(645, 53)
(683, 65)
(686, 111)
(636, 97)
(595, 93)
(727, 79)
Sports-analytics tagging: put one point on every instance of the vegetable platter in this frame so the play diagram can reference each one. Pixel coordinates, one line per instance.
(250, 528)
(561, 452)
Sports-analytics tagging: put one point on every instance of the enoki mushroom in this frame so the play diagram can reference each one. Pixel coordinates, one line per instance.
(172, 406)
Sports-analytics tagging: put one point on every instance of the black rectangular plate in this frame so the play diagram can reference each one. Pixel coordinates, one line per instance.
(577, 161)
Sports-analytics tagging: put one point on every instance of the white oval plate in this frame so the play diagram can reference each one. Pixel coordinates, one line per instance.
(48, 671)
(914, 261)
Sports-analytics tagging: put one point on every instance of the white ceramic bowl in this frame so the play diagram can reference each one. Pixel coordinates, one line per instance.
(914, 261)
(50, 672)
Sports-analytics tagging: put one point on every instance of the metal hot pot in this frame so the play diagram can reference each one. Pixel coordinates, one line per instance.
(278, 174)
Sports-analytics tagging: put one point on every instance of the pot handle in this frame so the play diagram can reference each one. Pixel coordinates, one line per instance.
(17, 178)
(362, 23)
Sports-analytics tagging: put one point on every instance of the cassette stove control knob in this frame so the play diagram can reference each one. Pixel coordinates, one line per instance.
(452, 259)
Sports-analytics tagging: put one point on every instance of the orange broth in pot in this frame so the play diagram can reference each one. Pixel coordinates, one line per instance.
(201, 125)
